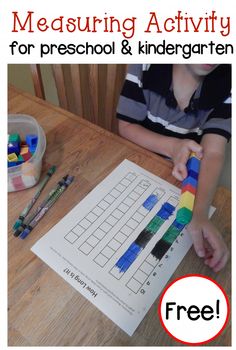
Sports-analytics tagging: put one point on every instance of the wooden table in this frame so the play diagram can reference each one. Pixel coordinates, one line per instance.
(44, 310)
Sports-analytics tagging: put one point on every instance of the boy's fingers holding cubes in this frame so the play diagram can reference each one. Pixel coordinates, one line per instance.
(179, 171)
(196, 148)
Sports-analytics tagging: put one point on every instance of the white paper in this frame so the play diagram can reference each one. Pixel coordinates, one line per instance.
(86, 244)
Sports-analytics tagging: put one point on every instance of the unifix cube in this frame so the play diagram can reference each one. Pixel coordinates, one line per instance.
(20, 159)
(11, 164)
(12, 157)
(193, 163)
(26, 156)
(24, 149)
(187, 200)
(13, 147)
(184, 216)
(14, 138)
(31, 141)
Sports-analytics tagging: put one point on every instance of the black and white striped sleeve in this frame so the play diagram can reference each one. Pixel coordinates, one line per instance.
(132, 104)
(219, 120)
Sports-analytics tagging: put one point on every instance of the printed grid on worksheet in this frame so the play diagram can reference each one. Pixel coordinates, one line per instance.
(146, 269)
(80, 228)
(140, 276)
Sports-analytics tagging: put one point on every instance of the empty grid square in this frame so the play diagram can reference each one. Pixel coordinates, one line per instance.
(97, 211)
(115, 193)
(133, 285)
(109, 199)
(116, 273)
(101, 260)
(133, 195)
(128, 201)
(151, 260)
(126, 230)
(140, 276)
(120, 237)
(160, 193)
(145, 184)
(108, 252)
(131, 177)
(111, 220)
(146, 267)
(132, 223)
(138, 217)
(143, 211)
(123, 207)
(92, 241)
(139, 189)
(120, 187)
(173, 201)
(85, 248)
(78, 230)
(99, 233)
(105, 227)
(71, 237)
(125, 182)
(91, 217)
(85, 223)
(117, 214)
(103, 205)
(114, 244)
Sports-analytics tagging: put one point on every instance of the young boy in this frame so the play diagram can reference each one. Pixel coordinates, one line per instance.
(176, 109)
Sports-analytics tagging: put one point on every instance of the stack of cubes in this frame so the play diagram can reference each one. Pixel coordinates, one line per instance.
(20, 151)
(188, 191)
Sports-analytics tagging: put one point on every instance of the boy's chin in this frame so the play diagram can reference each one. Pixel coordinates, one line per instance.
(202, 69)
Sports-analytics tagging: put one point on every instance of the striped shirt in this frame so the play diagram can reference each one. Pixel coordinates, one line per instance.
(147, 99)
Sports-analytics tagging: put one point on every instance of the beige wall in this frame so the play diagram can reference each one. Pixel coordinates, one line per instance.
(20, 76)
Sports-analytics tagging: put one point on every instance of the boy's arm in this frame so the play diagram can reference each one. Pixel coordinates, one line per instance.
(207, 240)
(176, 149)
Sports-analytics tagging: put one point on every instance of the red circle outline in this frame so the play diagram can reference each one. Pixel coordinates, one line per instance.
(201, 276)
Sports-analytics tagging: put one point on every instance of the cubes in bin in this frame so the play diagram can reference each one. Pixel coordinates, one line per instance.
(20, 151)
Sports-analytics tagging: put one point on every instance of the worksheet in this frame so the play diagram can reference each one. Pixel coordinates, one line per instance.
(118, 246)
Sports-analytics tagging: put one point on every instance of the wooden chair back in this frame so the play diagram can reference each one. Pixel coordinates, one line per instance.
(89, 90)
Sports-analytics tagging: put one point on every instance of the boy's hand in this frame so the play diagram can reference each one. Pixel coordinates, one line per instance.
(180, 155)
(208, 243)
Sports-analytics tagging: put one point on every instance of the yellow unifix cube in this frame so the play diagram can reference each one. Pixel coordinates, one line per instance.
(187, 200)
(12, 157)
